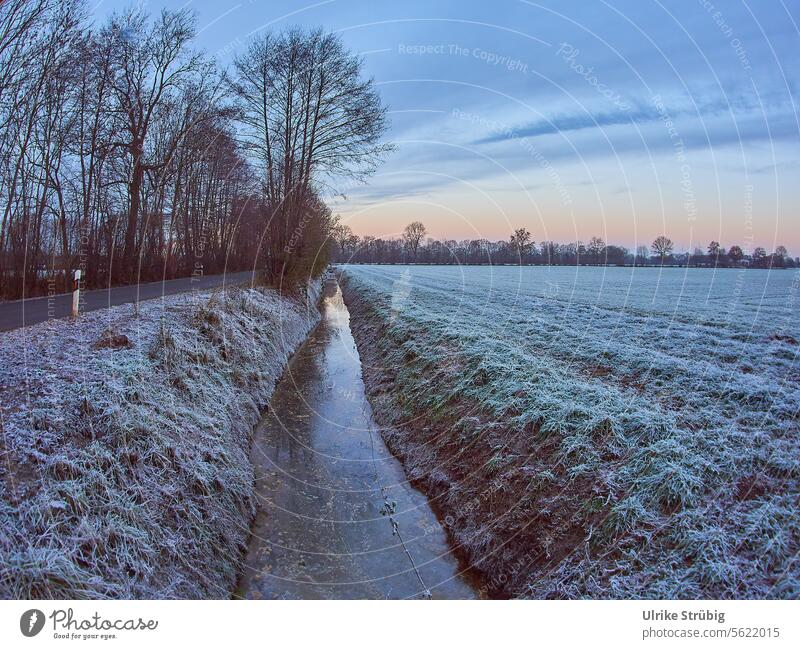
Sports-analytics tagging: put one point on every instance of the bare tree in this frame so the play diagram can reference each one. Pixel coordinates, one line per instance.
(596, 248)
(309, 118)
(662, 247)
(412, 236)
(148, 67)
(37, 53)
(114, 144)
(119, 153)
(521, 239)
(341, 235)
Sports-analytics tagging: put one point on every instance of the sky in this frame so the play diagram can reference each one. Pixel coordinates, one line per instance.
(619, 119)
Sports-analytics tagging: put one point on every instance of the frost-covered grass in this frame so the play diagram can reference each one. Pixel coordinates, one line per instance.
(597, 432)
(126, 471)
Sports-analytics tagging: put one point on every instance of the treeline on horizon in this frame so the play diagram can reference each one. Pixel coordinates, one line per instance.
(129, 154)
(520, 248)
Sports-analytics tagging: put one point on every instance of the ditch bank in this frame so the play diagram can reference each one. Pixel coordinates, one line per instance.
(337, 518)
(478, 508)
(125, 443)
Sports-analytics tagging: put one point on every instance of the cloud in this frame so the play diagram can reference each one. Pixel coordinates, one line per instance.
(573, 122)
(739, 106)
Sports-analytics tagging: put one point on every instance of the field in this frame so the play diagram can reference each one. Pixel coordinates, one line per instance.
(596, 432)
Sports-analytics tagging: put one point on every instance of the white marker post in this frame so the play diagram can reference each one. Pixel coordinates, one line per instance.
(76, 293)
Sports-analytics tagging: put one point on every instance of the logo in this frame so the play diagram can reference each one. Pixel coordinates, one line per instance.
(31, 622)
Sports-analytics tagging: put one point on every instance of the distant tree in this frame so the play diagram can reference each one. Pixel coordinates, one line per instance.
(353, 242)
(714, 253)
(521, 242)
(367, 246)
(779, 257)
(549, 251)
(569, 253)
(662, 247)
(412, 236)
(615, 255)
(341, 235)
(481, 251)
(595, 249)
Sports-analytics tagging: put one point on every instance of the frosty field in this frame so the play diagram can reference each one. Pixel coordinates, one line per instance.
(596, 432)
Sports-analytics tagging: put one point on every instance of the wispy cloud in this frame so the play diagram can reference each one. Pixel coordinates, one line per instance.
(571, 122)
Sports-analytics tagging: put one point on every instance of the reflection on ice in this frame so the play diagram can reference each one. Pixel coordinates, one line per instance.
(319, 531)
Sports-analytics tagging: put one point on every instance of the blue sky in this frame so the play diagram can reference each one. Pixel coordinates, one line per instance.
(624, 120)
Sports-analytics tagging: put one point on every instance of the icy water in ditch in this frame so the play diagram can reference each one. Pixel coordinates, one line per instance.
(320, 466)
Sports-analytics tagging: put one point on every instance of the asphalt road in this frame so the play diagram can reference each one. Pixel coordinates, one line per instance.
(23, 313)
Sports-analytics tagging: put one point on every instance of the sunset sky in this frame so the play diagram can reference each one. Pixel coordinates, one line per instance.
(624, 120)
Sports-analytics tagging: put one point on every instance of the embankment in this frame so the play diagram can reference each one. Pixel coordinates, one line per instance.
(478, 514)
(578, 479)
(125, 443)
